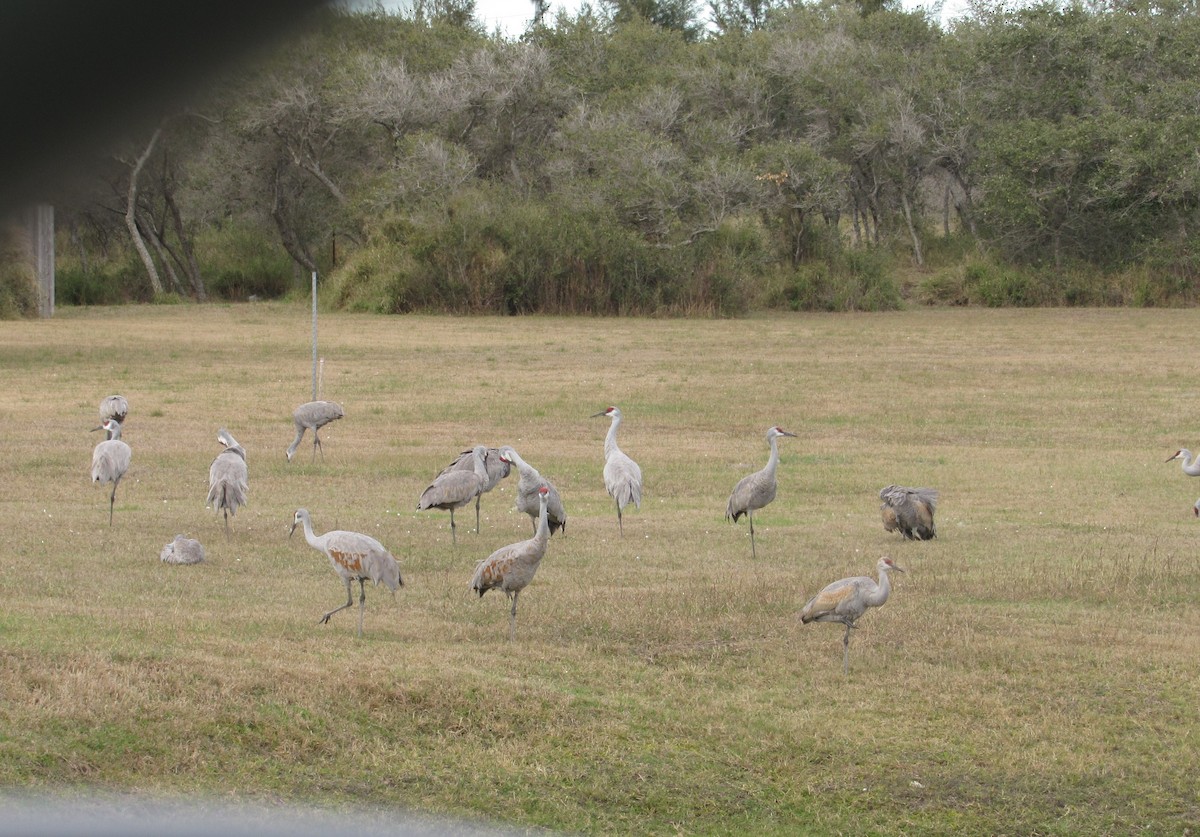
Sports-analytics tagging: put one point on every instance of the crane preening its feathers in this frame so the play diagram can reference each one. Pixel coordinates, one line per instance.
(528, 492)
(511, 568)
(110, 460)
(228, 478)
(846, 600)
(909, 510)
(182, 550)
(758, 489)
(622, 476)
(496, 468)
(355, 557)
(314, 415)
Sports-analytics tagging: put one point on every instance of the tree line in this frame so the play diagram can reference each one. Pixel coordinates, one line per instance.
(650, 156)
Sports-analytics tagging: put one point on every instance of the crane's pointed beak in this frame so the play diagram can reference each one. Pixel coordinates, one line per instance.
(1169, 458)
(597, 415)
(293, 529)
(101, 427)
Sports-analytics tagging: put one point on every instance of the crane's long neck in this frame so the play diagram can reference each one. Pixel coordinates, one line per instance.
(773, 460)
(610, 441)
(1190, 463)
(480, 467)
(309, 535)
(543, 529)
(295, 442)
(883, 589)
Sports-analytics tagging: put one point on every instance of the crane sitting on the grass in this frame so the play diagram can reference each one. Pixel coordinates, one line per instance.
(355, 557)
(758, 489)
(110, 460)
(314, 415)
(1190, 464)
(622, 476)
(114, 407)
(228, 478)
(528, 496)
(910, 510)
(496, 468)
(453, 488)
(846, 600)
(182, 550)
(511, 568)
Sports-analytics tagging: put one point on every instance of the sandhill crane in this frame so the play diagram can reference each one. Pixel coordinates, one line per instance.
(756, 490)
(354, 556)
(113, 407)
(846, 600)
(528, 497)
(182, 550)
(910, 510)
(511, 568)
(314, 415)
(1190, 464)
(622, 476)
(228, 482)
(496, 471)
(110, 460)
(452, 488)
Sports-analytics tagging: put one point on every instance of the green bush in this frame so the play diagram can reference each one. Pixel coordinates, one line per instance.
(18, 284)
(238, 262)
(105, 284)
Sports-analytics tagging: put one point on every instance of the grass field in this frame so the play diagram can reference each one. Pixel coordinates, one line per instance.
(1036, 671)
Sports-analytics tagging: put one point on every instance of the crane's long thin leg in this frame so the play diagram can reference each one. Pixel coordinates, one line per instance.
(227, 522)
(512, 618)
(362, 605)
(753, 551)
(478, 497)
(846, 651)
(317, 446)
(349, 603)
(112, 499)
(619, 521)
(453, 537)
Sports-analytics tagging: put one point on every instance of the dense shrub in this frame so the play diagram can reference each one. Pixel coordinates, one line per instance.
(104, 284)
(18, 284)
(238, 262)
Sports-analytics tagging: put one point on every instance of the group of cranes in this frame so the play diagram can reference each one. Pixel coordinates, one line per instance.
(510, 569)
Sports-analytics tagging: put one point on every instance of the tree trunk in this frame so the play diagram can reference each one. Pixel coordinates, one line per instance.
(131, 215)
(912, 230)
(291, 241)
(160, 247)
(190, 265)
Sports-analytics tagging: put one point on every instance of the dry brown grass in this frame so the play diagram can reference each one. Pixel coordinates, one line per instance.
(1035, 671)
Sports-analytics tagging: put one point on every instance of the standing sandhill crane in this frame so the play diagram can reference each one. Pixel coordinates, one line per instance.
(622, 476)
(511, 568)
(495, 467)
(756, 490)
(910, 510)
(228, 482)
(452, 489)
(110, 460)
(113, 407)
(528, 492)
(314, 415)
(1190, 464)
(846, 600)
(182, 550)
(353, 556)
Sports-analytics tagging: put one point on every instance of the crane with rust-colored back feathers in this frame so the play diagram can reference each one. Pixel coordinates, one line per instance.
(511, 568)
(847, 599)
(355, 557)
(758, 489)
(909, 510)
(313, 416)
(110, 460)
(228, 477)
(453, 488)
(528, 492)
(622, 476)
(496, 468)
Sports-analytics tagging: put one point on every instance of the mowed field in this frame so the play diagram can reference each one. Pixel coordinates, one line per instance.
(1036, 670)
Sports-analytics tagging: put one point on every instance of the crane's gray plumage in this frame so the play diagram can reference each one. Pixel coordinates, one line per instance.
(758, 489)
(1190, 464)
(313, 416)
(511, 568)
(909, 510)
(114, 407)
(846, 600)
(496, 469)
(228, 478)
(453, 488)
(622, 476)
(110, 460)
(528, 496)
(355, 557)
(182, 550)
